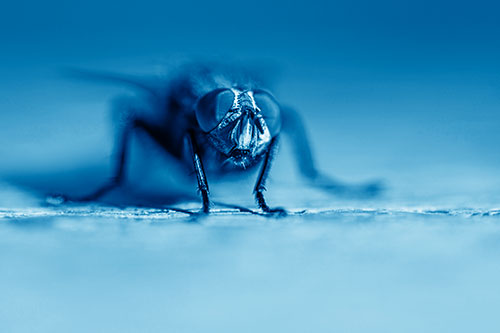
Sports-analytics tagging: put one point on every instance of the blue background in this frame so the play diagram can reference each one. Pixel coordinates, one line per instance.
(384, 86)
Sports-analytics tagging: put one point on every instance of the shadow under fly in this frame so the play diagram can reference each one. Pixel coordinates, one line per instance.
(216, 120)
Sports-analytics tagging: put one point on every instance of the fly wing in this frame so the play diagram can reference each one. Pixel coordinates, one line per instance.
(153, 85)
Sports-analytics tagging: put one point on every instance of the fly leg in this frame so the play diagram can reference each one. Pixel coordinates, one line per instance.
(200, 173)
(260, 186)
(293, 126)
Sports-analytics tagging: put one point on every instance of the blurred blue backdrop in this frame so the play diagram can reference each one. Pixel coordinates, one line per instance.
(391, 89)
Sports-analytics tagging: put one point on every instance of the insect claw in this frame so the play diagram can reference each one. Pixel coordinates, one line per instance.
(196, 217)
(276, 212)
(56, 199)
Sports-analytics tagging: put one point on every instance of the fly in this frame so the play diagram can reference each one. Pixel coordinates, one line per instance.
(223, 118)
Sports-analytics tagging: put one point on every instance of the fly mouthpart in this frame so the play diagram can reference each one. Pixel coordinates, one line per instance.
(239, 153)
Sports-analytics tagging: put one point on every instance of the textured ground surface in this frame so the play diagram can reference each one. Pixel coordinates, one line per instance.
(109, 269)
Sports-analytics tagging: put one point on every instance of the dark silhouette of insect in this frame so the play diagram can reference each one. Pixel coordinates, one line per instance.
(220, 120)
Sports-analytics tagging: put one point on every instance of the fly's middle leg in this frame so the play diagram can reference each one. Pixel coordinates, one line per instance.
(118, 176)
(129, 125)
(293, 127)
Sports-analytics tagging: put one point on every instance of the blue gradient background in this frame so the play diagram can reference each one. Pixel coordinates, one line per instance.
(408, 92)
(405, 85)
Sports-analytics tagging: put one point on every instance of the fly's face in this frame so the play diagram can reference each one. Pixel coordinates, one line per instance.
(240, 124)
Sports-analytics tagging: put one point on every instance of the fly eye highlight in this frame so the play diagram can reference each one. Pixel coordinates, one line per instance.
(270, 111)
(212, 108)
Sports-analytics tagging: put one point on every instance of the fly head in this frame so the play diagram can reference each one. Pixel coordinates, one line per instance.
(240, 123)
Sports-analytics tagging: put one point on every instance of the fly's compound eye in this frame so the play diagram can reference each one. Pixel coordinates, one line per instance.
(270, 111)
(212, 108)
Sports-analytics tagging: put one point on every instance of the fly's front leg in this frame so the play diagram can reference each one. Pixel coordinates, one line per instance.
(260, 186)
(200, 173)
